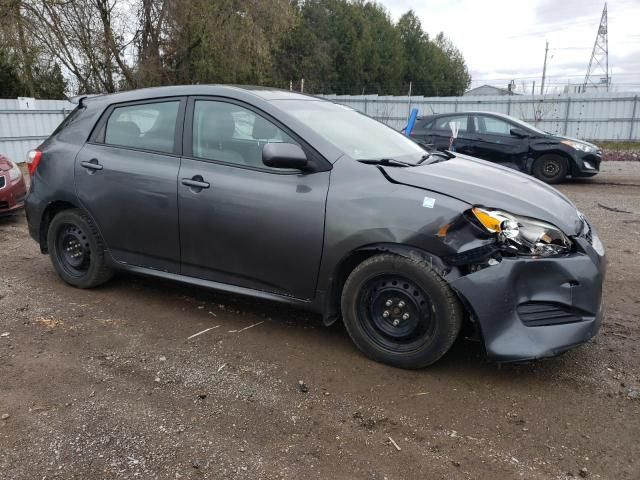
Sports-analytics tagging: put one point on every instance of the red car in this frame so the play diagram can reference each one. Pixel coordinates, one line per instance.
(13, 188)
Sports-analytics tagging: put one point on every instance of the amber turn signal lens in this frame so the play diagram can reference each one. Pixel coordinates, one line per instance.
(489, 222)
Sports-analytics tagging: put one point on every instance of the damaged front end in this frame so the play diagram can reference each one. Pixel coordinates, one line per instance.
(532, 290)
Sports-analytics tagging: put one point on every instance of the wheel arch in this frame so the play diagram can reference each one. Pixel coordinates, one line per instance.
(52, 209)
(342, 270)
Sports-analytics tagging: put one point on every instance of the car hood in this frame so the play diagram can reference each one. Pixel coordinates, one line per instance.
(559, 138)
(481, 183)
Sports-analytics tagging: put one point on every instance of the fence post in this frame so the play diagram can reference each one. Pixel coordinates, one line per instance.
(566, 117)
(509, 106)
(365, 105)
(633, 117)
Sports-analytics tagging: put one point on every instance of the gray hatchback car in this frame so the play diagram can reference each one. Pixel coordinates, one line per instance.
(291, 198)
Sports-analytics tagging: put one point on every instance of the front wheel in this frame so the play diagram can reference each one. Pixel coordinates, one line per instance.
(399, 311)
(550, 168)
(77, 250)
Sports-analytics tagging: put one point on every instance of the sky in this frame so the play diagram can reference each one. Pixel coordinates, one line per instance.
(503, 40)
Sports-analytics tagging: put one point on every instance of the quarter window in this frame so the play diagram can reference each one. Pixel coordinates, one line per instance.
(230, 133)
(150, 126)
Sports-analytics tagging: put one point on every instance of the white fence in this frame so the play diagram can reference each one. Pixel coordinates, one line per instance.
(25, 123)
(593, 116)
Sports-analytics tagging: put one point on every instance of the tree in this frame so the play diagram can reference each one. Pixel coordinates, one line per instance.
(435, 68)
(337, 46)
(10, 84)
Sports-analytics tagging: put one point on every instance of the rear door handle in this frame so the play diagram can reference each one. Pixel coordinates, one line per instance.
(196, 182)
(91, 164)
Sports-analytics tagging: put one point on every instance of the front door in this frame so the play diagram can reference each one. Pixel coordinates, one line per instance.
(126, 178)
(495, 142)
(241, 222)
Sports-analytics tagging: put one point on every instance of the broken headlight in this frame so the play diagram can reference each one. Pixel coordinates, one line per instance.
(522, 235)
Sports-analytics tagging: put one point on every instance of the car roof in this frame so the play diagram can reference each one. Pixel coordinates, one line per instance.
(234, 91)
(467, 112)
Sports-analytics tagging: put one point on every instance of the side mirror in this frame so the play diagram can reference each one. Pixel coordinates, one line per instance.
(519, 132)
(284, 155)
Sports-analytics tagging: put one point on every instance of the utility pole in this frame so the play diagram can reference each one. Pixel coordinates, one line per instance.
(544, 68)
(409, 102)
(533, 88)
(599, 62)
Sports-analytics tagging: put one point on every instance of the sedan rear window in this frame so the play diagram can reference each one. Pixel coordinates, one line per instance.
(150, 126)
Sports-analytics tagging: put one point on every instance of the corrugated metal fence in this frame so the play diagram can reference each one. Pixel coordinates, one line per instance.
(25, 123)
(595, 116)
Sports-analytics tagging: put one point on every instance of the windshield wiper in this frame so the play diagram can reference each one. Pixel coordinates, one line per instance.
(436, 157)
(387, 162)
(424, 158)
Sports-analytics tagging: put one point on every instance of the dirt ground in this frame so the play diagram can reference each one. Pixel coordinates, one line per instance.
(105, 383)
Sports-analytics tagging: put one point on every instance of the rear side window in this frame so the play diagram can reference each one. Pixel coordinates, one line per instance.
(428, 124)
(149, 126)
(460, 120)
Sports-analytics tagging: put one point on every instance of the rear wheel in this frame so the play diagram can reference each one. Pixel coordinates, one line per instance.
(77, 250)
(550, 168)
(400, 312)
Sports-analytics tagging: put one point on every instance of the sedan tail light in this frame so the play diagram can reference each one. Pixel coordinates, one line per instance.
(33, 160)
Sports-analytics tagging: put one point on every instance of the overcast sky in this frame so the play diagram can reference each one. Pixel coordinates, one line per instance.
(503, 40)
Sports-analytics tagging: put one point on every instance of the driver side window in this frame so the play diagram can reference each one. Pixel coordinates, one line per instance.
(230, 133)
(494, 126)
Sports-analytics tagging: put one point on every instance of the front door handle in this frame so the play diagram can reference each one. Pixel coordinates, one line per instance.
(196, 182)
(91, 164)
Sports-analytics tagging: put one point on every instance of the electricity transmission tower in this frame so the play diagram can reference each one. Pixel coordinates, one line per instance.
(598, 70)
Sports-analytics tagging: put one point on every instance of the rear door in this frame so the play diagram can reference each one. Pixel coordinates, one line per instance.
(241, 222)
(496, 143)
(126, 178)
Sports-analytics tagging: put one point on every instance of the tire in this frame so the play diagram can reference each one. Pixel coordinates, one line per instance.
(375, 317)
(551, 168)
(77, 250)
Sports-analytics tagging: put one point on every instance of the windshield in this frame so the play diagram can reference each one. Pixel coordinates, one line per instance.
(357, 135)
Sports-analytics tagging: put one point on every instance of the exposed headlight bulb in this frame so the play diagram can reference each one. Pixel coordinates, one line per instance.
(510, 229)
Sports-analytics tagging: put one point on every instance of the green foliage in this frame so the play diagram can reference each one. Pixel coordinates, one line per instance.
(336, 46)
(353, 47)
(10, 84)
(44, 82)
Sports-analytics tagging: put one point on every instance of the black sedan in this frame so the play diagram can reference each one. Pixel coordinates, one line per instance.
(289, 198)
(510, 142)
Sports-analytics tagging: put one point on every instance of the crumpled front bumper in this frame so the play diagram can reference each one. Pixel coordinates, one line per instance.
(529, 308)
